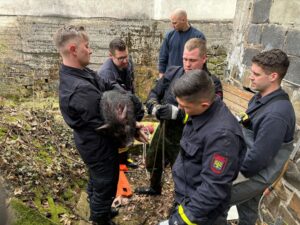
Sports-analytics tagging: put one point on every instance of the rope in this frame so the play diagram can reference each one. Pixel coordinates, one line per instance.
(270, 189)
(160, 135)
(163, 148)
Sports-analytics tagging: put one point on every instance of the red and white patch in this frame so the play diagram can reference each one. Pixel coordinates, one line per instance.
(218, 163)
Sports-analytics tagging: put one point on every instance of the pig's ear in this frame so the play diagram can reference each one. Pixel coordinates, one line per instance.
(103, 128)
(124, 112)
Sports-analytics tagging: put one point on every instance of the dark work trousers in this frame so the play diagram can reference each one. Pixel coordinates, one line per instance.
(245, 196)
(154, 154)
(102, 187)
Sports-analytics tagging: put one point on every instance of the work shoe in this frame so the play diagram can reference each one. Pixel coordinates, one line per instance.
(114, 212)
(104, 223)
(131, 164)
(146, 191)
(104, 220)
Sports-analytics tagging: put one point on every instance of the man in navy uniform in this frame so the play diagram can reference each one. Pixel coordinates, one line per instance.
(162, 104)
(212, 150)
(80, 92)
(119, 68)
(171, 50)
(268, 129)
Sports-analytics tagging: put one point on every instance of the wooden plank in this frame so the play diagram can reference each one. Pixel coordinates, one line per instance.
(228, 88)
(235, 98)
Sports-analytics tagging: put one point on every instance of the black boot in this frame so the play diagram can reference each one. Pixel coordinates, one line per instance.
(113, 212)
(104, 221)
(155, 185)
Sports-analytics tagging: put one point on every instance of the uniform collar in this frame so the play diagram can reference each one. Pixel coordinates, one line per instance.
(85, 73)
(263, 100)
(257, 101)
(199, 120)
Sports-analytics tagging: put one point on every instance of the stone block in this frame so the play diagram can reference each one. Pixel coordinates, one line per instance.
(254, 34)
(272, 36)
(245, 79)
(261, 11)
(293, 71)
(292, 46)
(294, 205)
(292, 175)
(248, 55)
(287, 216)
(272, 202)
(82, 207)
(281, 191)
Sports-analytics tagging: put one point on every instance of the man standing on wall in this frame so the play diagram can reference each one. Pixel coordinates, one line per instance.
(268, 129)
(173, 44)
(80, 92)
(119, 68)
(162, 104)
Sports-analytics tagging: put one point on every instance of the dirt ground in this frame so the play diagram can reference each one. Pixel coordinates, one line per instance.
(141, 209)
(42, 169)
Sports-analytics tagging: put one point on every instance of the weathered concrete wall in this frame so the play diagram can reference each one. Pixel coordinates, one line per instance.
(266, 24)
(28, 55)
(120, 9)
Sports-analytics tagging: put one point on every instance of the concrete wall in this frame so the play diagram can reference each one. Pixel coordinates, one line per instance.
(28, 57)
(133, 9)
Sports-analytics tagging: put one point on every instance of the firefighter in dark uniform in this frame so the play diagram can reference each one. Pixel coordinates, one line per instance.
(212, 150)
(80, 92)
(162, 103)
(268, 128)
(119, 68)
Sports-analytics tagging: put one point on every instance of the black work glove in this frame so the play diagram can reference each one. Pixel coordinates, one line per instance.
(167, 112)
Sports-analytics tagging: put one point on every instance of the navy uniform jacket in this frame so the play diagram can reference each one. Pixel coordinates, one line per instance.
(271, 127)
(124, 78)
(212, 150)
(80, 92)
(162, 92)
(171, 51)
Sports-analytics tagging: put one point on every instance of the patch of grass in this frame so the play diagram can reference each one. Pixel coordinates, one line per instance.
(3, 132)
(26, 216)
(49, 206)
(44, 156)
(55, 210)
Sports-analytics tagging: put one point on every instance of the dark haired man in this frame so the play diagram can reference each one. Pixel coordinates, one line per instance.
(119, 68)
(80, 92)
(162, 104)
(268, 131)
(211, 152)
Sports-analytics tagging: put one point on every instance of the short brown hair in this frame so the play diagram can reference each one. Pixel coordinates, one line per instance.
(67, 33)
(117, 44)
(194, 43)
(274, 60)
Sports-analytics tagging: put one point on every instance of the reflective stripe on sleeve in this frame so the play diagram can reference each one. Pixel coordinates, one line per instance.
(184, 217)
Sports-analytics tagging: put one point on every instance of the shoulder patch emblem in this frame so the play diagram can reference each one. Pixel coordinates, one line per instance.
(218, 163)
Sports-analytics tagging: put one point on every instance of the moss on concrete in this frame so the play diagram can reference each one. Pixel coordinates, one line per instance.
(24, 215)
(47, 206)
